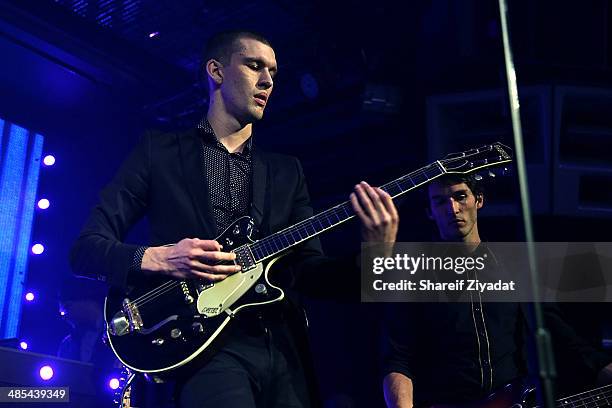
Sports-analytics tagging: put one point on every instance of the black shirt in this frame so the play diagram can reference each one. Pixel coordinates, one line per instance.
(228, 175)
(455, 352)
(229, 182)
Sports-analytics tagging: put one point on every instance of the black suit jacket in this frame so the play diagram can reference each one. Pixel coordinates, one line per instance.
(163, 179)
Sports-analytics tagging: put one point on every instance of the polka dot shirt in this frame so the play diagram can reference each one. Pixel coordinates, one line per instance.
(228, 176)
(229, 182)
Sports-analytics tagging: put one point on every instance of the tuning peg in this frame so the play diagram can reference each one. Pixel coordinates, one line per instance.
(477, 177)
(491, 174)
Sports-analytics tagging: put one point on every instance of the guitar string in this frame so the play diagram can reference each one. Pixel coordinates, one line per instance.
(268, 242)
(302, 227)
(160, 287)
(271, 243)
(603, 392)
(156, 293)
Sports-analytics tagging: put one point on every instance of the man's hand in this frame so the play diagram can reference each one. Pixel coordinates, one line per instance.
(397, 389)
(190, 258)
(377, 212)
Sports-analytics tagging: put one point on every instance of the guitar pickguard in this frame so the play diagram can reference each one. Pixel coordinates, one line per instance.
(215, 299)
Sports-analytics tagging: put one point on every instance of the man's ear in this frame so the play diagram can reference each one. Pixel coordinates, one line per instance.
(214, 71)
(479, 201)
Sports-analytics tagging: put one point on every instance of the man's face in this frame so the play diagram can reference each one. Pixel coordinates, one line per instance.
(248, 80)
(454, 209)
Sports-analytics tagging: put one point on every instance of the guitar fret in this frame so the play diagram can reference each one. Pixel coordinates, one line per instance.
(600, 397)
(458, 163)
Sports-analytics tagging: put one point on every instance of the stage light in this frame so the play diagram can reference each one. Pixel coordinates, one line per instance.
(43, 204)
(23, 345)
(29, 296)
(49, 160)
(154, 34)
(46, 372)
(113, 383)
(38, 249)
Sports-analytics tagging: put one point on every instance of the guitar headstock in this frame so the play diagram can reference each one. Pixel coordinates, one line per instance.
(475, 160)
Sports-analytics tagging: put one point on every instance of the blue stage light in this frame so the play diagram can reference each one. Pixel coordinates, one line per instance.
(49, 160)
(43, 203)
(113, 383)
(38, 249)
(29, 296)
(23, 345)
(46, 372)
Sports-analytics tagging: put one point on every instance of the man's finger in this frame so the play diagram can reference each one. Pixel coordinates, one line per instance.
(218, 256)
(366, 203)
(197, 266)
(387, 201)
(357, 208)
(207, 244)
(374, 197)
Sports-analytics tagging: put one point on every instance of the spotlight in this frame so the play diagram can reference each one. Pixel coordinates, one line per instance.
(43, 204)
(23, 345)
(113, 383)
(38, 249)
(29, 296)
(46, 372)
(49, 160)
(154, 34)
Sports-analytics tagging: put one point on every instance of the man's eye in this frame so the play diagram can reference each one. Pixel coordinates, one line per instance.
(253, 66)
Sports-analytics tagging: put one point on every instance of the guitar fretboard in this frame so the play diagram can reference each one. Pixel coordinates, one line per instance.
(599, 397)
(313, 226)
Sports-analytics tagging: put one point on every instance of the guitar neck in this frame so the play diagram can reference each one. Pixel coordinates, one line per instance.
(289, 237)
(599, 397)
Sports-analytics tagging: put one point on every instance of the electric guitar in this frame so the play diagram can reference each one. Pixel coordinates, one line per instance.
(517, 396)
(158, 329)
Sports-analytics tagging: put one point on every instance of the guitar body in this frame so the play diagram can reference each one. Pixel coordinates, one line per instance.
(161, 328)
(513, 395)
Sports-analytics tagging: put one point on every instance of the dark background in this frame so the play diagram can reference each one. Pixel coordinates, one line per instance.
(399, 84)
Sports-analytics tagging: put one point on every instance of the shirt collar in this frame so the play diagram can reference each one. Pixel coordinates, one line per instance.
(208, 136)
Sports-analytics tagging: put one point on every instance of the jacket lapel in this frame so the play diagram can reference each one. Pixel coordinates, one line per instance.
(192, 161)
(258, 187)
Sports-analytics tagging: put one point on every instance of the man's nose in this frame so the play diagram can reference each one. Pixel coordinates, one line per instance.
(265, 80)
(453, 206)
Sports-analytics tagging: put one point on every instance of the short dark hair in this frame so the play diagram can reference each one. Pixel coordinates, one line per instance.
(475, 186)
(222, 45)
(469, 179)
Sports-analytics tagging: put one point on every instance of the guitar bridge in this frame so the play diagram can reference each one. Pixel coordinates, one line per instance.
(127, 320)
